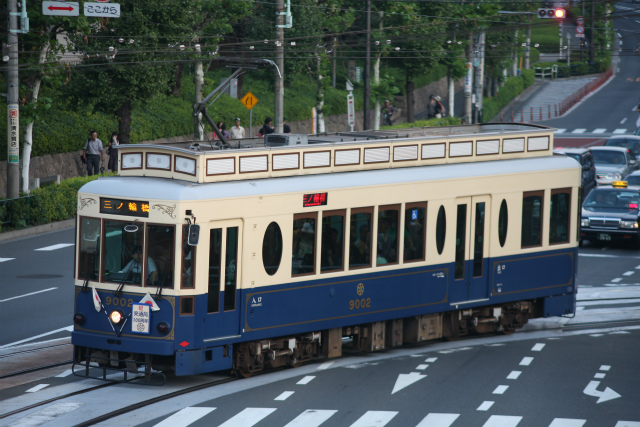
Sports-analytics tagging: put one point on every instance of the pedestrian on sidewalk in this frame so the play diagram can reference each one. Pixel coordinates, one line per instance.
(93, 152)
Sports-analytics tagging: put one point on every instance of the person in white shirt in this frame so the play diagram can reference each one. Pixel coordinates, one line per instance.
(237, 132)
(136, 267)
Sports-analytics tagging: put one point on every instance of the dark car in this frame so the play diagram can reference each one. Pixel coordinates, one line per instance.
(612, 163)
(631, 142)
(633, 179)
(610, 214)
(637, 132)
(583, 156)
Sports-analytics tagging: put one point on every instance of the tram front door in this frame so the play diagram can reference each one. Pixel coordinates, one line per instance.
(223, 313)
(472, 249)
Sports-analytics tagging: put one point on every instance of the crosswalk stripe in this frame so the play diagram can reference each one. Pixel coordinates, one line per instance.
(438, 420)
(567, 422)
(375, 419)
(248, 417)
(628, 424)
(311, 418)
(579, 130)
(502, 421)
(599, 130)
(619, 131)
(185, 417)
(54, 247)
(5, 259)
(560, 131)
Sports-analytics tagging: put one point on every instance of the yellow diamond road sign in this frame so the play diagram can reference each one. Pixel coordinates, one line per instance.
(249, 100)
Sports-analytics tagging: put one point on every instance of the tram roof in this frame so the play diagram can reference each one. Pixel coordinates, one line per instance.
(178, 190)
(281, 155)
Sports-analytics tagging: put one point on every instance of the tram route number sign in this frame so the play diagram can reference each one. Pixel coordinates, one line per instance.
(140, 318)
(249, 100)
(315, 199)
(124, 207)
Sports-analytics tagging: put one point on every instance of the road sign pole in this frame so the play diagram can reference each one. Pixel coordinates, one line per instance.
(251, 123)
(13, 110)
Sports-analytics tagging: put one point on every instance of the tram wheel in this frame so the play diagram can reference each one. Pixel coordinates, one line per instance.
(242, 373)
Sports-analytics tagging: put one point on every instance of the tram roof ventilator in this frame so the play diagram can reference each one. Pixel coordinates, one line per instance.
(287, 139)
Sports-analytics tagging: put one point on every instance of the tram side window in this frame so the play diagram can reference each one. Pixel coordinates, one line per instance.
(532, 208)
(89, 250)
(360, 238)
(387, 235)
(160, 249)
(188, 261)
(414, 231)
(123, 253)
(332, 246)
(215, 257)
(231, 269)
(303, 257)
(560, 210)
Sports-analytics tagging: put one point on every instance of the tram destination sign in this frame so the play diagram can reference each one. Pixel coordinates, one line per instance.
(124, 207)
(315, 199)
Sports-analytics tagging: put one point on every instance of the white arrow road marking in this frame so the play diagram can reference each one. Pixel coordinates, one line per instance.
(405, 380)
(603, 396)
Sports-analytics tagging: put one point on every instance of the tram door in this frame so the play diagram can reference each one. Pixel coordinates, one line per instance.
(223, 312)
(472, 249)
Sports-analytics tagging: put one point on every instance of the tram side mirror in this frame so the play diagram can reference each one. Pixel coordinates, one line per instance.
(194, 235)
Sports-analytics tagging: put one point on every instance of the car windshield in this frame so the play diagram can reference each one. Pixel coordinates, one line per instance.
(616, 199)
(632, 144)
(574, 156)
(608, 157)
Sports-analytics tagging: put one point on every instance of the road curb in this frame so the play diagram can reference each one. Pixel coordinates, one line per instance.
(38, 229)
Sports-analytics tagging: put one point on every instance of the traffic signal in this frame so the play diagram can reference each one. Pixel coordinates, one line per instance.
(552, 12)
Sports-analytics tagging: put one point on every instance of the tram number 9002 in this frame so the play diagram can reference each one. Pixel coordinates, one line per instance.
(123, 302)
(360, 303)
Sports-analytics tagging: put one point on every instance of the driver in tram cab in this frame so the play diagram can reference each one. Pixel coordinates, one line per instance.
(135, 266)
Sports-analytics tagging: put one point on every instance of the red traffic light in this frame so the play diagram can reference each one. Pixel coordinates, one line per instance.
(559, 13)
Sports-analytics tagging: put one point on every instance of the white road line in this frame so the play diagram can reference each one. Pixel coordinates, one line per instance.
(567, 422)
(422, 367)
(616, 280)
(311, 418)
(620, 131)
(514, 375)
(27, 295)
(605, 367)
(185, 417)
(47, 414)
(486, 405)
(248, 417)
(599, 375)
(526, 361)
(68, 328)
(638, 267)
(5, 259)
(538, 347)
(375, 419)
(624, 120)
(628, 424)
(54, 247)
(65, 374)
(500, 389)
(325, 365)
(438, 420)
(579, 130)
(284, 395)
(599, 130)
(306, 380)
(560, 131)
(433, 359)
(37, 388)
(628, 273)
(502, 421)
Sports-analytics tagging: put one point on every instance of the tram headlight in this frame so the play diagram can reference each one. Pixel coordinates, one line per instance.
(116, 317)
(629, 224)
(584, 222)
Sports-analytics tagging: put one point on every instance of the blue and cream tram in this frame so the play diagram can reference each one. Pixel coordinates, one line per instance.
(269, 253)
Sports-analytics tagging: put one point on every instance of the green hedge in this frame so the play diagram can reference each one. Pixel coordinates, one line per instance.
(513, 87)
(45, 205)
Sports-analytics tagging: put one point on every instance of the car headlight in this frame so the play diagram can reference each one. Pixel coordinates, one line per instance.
(116, 317)
(616, 176)
(629, 224)
(584, 222)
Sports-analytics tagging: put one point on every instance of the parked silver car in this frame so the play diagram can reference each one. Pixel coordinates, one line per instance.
(612, 163)
(582, 156)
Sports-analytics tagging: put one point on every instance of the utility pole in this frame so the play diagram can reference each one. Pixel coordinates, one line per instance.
(527, 50)
(13, 110)
(367, 65)
(468, 82)
(279, 76)
(593, 31)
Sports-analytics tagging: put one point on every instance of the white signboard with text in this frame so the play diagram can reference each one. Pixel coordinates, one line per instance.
(141, 318)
